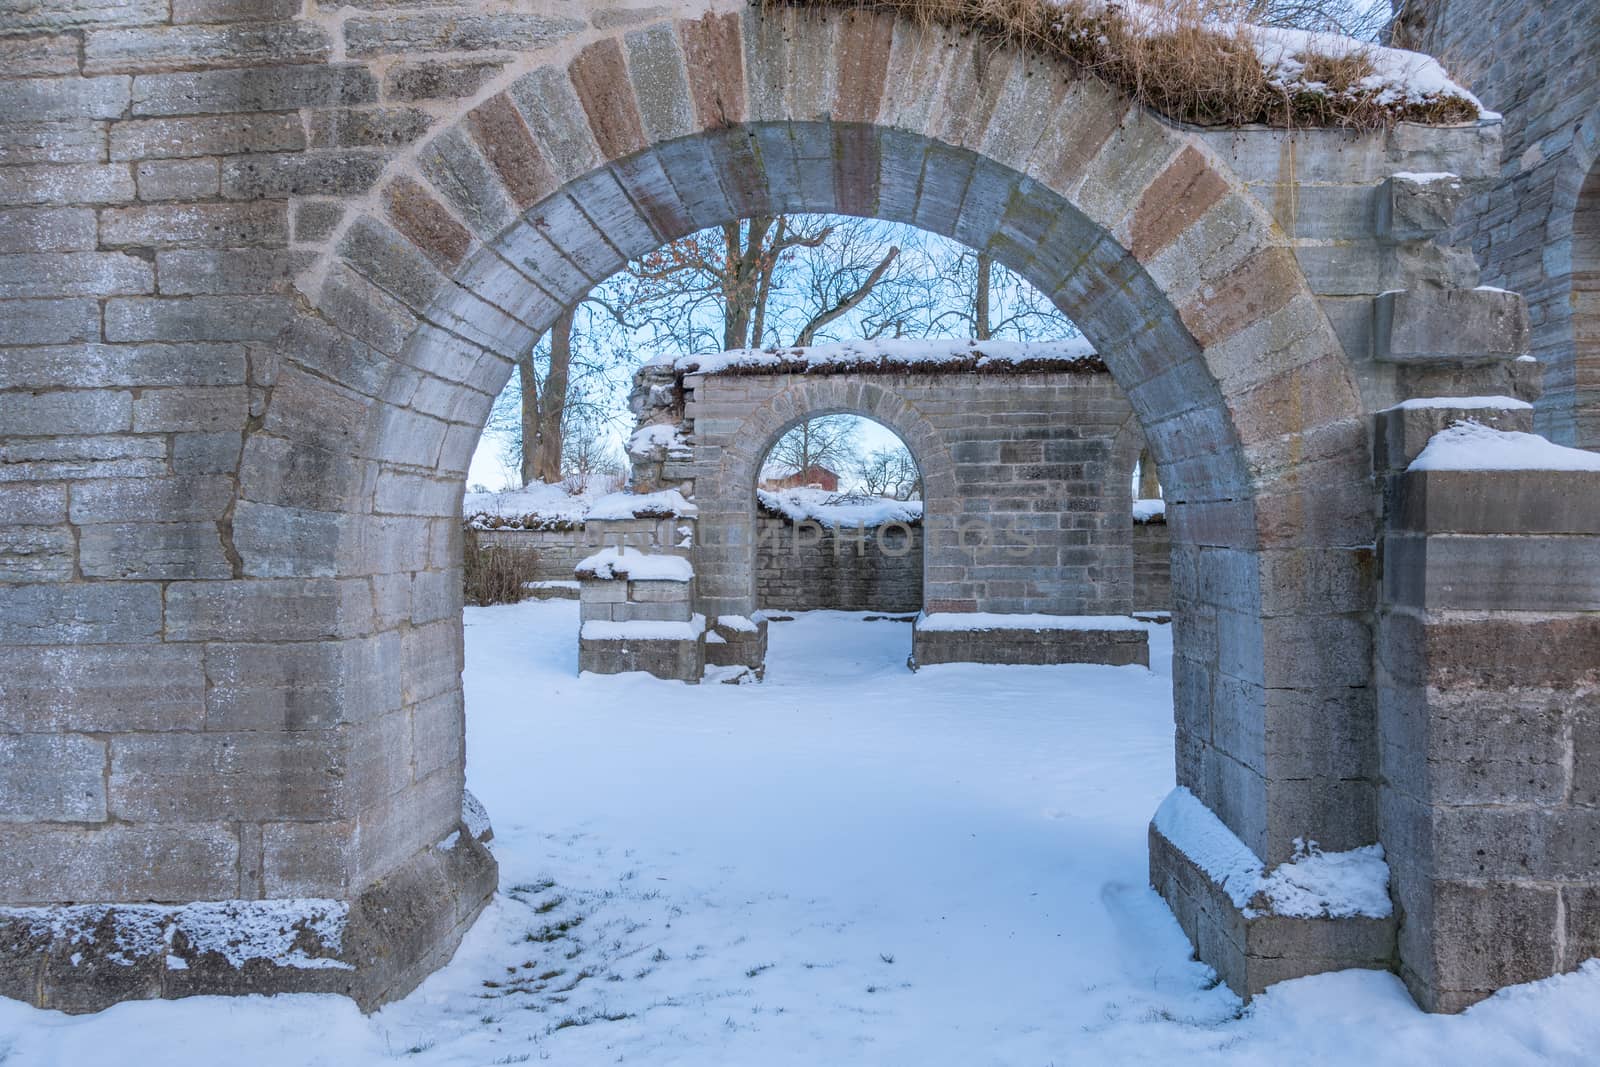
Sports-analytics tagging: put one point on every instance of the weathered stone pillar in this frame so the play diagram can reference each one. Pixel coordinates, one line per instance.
(1489, 711)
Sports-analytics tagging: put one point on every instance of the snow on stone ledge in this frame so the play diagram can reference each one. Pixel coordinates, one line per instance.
(1149, 509)
(1315, 884)
(804, 504)
(899, 356)
(644, 630)
(737, 623)
(945, 621)
(1471, 446)
(647, 439)
(615, 563)
(663, 504)
(237, 930)
(1465, 403)
(537, 506)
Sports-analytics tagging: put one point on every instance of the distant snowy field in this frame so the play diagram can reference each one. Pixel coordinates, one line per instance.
(849, 864)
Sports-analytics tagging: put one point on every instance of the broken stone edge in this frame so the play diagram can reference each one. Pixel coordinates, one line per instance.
(398, 930)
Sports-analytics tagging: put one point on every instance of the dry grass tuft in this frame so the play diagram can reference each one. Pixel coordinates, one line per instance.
(495, 574)
(1185, 60)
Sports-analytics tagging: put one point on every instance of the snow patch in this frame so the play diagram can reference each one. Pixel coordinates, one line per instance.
(838, 509)
(537, 506)
(475, 816)
(737, 623)
(236, 930)
(664, 504)
(1496, 403)
(1471, 446)
(887, 353)
(1147, 509)
(1314, 884)
(985, 620)
(647, 439)
(1426, 177)
(622, 562)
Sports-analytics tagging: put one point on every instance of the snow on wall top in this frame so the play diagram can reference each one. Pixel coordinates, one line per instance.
(804, 504)
(622, 562)
(900, 356)
(945, 621)
(1471, 446)
(1150, 509)
(1313, 885)
(537, 506)
(663, 504)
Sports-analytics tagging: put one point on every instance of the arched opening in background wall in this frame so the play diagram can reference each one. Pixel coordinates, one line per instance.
(838, 519)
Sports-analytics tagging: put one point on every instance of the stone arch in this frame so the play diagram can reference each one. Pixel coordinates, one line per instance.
(727, 501)
(343, 536)
(1131, 225)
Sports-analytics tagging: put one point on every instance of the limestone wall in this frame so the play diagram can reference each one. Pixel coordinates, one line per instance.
(555, 552)
(1538, 64)
(1152, 567)
(1024, 505)
(810, 567)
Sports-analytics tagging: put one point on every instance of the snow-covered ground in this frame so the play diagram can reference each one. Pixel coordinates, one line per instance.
(849, 864)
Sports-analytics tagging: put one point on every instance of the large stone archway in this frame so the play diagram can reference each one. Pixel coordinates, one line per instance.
(292, 725)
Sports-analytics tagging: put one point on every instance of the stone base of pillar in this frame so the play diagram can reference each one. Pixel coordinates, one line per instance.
(738, 641)
(1028, 639)
(1250, 948)
(373, 949)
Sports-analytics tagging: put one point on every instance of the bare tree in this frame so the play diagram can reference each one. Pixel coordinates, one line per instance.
(825, 441)
(1365, 20)
(890, 472)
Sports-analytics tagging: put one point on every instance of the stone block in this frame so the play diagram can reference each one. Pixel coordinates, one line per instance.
(324, 173)
(1401, 432)
(153, 550)
(206, 135)
(101, 688)
(35, 553)
(253, 89)
(53, 778)
(172, 778)
(1448, 326)
(195, 226)
(1023, 646)
(269, 610)
(454, 32)
(680, 660)
(1483, 572)
(177, 179)
(47, 229)
(439, 79)
(48, 322)
(75, 274)
(1251, 952)
(1413, 210)
(142, 50)
(1498, 502)
(46, 99)
(301, 686)
(58, 613)
(50, 864)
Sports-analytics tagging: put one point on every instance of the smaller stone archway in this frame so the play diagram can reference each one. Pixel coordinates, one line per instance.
(844, 530)
(1026, 542)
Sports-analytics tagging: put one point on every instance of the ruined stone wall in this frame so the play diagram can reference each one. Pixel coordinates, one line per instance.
(1538, 64)
(555, 552)
(1025, 508)
(1152, 567)
(809, 567)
